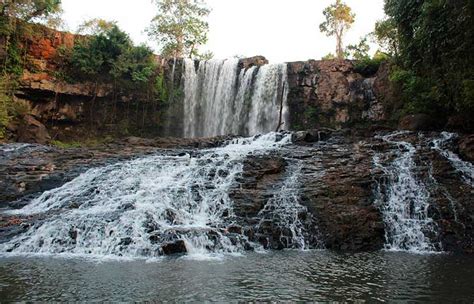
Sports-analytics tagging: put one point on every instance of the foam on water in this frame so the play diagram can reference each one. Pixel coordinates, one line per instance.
(466, 169)
(130, 209)
(403, 199)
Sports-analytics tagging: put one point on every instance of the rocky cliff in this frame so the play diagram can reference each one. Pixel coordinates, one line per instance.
(321, 94)
(70, 109)
(331, 93)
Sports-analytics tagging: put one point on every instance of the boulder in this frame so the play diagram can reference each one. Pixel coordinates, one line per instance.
(174, 248)
(310, 136)
(246, 63)
(30, 130)
(416, 122)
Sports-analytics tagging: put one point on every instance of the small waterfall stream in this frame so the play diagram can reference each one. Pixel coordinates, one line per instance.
(220, 98)
(465, 169)
(404, 200)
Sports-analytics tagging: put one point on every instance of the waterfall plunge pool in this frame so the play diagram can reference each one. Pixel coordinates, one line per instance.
(287, 275)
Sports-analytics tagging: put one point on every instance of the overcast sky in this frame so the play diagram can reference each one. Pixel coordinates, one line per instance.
(281, 30)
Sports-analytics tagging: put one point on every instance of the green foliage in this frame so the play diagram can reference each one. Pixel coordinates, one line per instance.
(180, 28)
(339, 19)
(436, 46)
(386, 35)
(66, 145)
(5, 100)
(7, 111)
(359, 51)
(160, 87)
(95, 26)
(135, 64)
(29, 10)
(110, 56)
(311, 114)
(329, 56)
(367, 66)
(420, 95)
(19, 108)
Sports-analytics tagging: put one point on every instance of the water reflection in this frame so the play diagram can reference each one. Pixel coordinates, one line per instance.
(290, 275)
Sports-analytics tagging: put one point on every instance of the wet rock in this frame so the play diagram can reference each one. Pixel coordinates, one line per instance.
(466, 147)
(417, 122)
(310, 136)
(246, 63)
(176, 247)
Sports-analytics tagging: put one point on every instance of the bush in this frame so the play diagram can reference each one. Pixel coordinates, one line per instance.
(420, 95)
(369, 66)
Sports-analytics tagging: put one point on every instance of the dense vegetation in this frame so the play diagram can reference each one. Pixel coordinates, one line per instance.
(16, 24)
(433, 46)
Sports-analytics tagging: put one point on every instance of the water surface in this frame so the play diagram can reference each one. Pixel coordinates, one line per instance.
(287, 275)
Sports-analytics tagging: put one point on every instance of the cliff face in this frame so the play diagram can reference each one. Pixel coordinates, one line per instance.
(332, 94)
(321, 94)
(74, 110)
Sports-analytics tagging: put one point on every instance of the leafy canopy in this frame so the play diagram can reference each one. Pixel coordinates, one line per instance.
(180, 27)
(95, 26)
(435, 44)
(111, 55)
(339, 19)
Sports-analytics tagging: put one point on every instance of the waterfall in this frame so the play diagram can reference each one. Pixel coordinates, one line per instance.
(136, 208)
(404, 200)
(220, 98)
(284, 212)
(465, 169)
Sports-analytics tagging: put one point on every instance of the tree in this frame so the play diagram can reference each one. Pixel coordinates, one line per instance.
(95, 26)
(386, 35)
(339, 19)
(435, 41)
(358, 51)
(180, 28)
(29, 10)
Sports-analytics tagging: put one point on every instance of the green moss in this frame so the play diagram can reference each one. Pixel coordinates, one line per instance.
(66, 145)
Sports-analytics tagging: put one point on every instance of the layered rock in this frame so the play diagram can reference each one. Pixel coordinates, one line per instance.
(330, 93)
(336, 200)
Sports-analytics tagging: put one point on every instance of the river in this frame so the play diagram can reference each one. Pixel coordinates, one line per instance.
(287, 275)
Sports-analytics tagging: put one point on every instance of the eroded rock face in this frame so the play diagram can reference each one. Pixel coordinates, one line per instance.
(330, 93)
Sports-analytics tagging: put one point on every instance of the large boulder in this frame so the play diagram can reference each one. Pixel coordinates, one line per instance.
(30, 130)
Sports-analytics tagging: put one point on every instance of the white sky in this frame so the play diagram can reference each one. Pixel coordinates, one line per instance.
(280, 30)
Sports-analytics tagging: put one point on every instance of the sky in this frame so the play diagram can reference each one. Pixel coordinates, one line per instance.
(280, 30)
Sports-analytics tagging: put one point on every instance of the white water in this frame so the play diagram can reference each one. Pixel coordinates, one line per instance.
(466, 169)
(283, 210)
(131, 209)
(220, 98)
(404, 201)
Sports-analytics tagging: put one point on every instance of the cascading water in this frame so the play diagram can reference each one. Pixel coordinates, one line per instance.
(135, 208)
(284, 212)
(220, 98)
(465, 169)
(404, 200)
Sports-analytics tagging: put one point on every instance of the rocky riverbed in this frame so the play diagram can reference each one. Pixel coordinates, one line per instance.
(337, 190)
